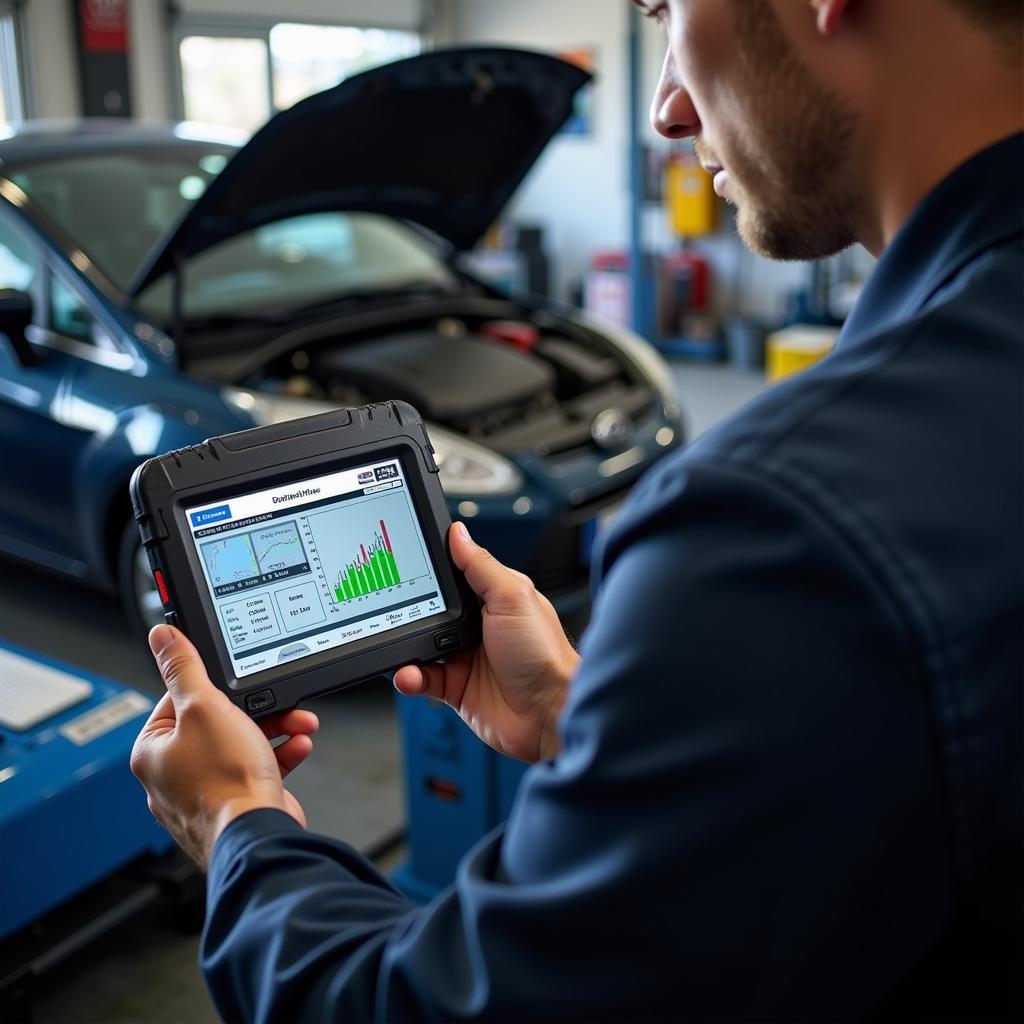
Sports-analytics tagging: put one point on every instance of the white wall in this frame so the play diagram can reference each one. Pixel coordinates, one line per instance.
(52, 71)
(149, 60)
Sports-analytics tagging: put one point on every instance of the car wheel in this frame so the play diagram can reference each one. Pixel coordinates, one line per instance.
(141, 599)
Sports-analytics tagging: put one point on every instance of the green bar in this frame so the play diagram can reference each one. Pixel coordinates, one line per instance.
(378, 576)
(339, 594)
(394, 567)
(352, 585)
(346, 589)
(384, 566)
(364, 578)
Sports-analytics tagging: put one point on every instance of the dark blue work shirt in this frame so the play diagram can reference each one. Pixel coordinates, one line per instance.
(791, 778)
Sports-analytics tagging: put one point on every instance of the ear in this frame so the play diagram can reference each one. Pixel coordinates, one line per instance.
(829, 13)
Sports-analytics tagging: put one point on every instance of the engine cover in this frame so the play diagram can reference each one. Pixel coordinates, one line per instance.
(447, 379)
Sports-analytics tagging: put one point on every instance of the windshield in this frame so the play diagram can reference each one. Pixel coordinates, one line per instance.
(115, 206)
(299, 262)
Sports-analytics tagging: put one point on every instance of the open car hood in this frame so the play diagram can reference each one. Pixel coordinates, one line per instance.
(442, 139)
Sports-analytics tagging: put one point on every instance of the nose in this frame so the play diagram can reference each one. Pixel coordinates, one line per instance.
(672, 111)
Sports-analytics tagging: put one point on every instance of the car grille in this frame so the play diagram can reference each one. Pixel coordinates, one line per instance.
(556, 428)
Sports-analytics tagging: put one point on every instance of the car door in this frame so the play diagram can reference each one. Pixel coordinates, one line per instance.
(36, 449)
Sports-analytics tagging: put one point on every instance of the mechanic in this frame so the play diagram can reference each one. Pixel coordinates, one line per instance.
(783, 780)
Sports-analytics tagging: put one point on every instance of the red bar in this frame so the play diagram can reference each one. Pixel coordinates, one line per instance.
(387, 539)
(161, 586)
(366, 561)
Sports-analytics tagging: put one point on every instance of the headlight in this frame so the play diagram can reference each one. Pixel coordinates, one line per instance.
(266, 410)
(470, 469)
(466, 469)
(646, 360)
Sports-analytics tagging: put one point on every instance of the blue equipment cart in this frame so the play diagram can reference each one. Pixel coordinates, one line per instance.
(81, 851)
(457, 790)
(70, 808)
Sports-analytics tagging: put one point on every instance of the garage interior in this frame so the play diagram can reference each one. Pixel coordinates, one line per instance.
(611, 220)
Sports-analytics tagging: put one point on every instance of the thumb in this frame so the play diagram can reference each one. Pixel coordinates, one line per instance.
(491, 580)
(180, 666)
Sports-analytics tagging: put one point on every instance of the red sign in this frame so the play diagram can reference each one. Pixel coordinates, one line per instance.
(104, 25)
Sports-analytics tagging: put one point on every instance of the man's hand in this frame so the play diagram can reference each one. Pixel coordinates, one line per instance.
(510, 690)
(201, 758)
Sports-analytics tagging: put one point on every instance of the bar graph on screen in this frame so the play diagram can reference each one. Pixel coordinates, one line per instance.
(370, 549)
(371, 570)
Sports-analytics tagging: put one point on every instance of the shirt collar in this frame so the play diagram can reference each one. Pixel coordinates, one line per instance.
(980, 205)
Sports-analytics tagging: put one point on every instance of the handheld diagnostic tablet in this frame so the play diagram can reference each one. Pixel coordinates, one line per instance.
(306, 556)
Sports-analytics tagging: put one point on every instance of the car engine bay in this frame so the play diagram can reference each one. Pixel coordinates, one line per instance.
(520, 384)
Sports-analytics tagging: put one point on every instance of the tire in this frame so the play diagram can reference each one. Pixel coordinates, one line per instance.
(139, 596)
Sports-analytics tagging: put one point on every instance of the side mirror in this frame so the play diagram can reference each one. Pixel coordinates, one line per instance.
(15, 318)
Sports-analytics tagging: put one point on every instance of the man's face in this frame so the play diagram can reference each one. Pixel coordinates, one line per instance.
(777, 139)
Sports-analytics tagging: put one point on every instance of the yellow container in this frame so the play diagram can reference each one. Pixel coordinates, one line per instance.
(691, 199)
(795, 348)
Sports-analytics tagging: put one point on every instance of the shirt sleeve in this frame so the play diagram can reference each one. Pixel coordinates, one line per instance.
(745, 820)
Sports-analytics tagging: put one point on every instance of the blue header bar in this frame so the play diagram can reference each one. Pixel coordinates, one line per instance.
(211, 515)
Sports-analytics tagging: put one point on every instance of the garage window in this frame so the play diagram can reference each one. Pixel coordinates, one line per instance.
(239, 75)
(305, 59)
(225, 80)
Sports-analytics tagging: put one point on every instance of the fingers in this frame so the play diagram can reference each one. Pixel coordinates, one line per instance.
(291, 723)
(180, 665)
(415, 681)
(491, 580)
(442, 682)
(298, 726)
(292, 753)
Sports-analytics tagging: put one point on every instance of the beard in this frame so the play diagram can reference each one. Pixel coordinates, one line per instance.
(791, 178)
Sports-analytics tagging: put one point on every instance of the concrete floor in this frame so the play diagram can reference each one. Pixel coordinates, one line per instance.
(710, 392)
(351, 788)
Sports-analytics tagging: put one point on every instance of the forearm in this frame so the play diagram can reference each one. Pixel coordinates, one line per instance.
(289, 912)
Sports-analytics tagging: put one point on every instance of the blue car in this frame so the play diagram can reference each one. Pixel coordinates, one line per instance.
(159, 286)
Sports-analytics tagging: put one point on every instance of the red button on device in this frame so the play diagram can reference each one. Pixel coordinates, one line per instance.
(161, 586)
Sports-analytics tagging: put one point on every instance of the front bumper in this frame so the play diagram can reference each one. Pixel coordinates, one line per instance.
(548, 529)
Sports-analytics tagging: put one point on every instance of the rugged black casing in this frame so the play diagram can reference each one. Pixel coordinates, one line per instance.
(234, 464)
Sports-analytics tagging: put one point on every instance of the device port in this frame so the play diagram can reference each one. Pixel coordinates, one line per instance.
(260, 701)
